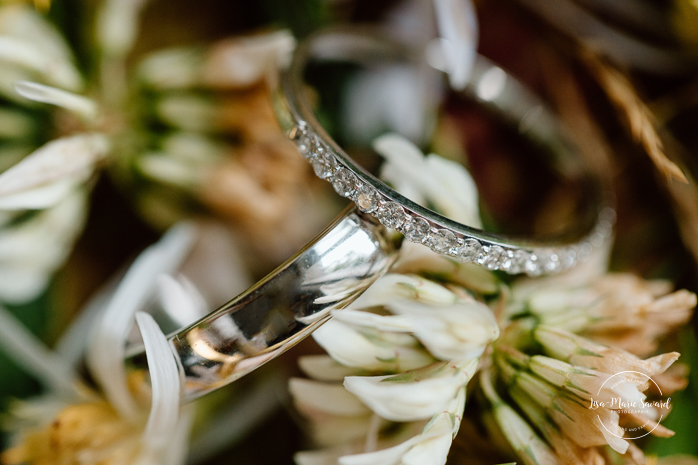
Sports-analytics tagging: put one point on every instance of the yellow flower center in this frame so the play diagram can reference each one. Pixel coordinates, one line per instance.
(87, 433)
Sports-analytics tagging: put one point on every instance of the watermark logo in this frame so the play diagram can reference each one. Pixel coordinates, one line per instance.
(618, 383)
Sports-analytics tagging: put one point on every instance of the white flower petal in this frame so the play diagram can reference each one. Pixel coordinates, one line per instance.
(400, 152)
(395, 285)
(430, 448)
(396, 98)
(72, 344)
(43, 241)
(453, 190)
(396, 399)
(117, 25)
(328, 398)
(244, 61)
(372, 351)
(32, 250)
(434, 444)
(176, 68)
(61, 159)
(107, 351)
(390, 456)
(33, 356)
(181, 304)
(194, 148)
(318, 457)
(215, 266)
(83, 106)
(324, 368)
(178, 451)
(458, 331)
(24, 23)
(23, 54)
(167, 169)
(458, 29)
(165, 380)
(42, 197)
(444, 183)
(189, 112)
(21, 284)
(372, 320)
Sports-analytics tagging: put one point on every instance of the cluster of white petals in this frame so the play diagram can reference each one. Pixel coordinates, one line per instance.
(43, 190)
(134, 432)
(431, 179)
(403, 353)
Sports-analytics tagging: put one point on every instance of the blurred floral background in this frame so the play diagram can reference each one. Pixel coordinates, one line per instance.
(120, 119)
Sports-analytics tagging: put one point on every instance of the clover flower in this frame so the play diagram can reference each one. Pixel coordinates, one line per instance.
(405, 350)
(73, 422)
(43, 189)
(549, 349)
(125, 420)
(553, 368)
(221, 147)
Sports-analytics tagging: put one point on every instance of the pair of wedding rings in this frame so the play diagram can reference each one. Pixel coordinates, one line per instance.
(355, 250)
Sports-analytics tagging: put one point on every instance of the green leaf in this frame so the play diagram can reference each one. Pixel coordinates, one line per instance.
(684, 412)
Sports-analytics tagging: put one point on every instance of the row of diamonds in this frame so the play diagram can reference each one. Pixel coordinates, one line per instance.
(443, 241)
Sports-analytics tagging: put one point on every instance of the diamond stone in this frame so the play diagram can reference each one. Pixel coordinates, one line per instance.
(568, 258)
(367, 199)
(305, 144)
(551, 263)
(513, 262)
(533, 266)
(491, 257)
(442, 241)
(344, 182)
(470, 250)
(321, 167)
(416, 229)
(391, 215)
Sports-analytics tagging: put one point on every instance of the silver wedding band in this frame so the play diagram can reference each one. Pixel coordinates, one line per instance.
(509, 99)
(283, 308)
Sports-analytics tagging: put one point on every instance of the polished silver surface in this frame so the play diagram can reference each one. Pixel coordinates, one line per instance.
(494, 89)
(283, 308)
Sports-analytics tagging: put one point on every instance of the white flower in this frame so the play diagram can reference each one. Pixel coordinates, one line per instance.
(429, 448)
(107, 350)
(31, 47)
(413, 395)
(458, 29)
(139, 438)
(325, 368)
(52, 172)
(32, 250)
(337, 415)
(128, 432)
(429, 179)
(450, 326)
(460, 331)
(230, 63)
(370, 349)
(532, 449)
(394, 285)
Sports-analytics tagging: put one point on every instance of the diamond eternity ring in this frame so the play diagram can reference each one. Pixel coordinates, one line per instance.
(282, 309)
(488, 85)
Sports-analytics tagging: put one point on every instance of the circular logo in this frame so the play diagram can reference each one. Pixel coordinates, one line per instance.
(617, 395)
